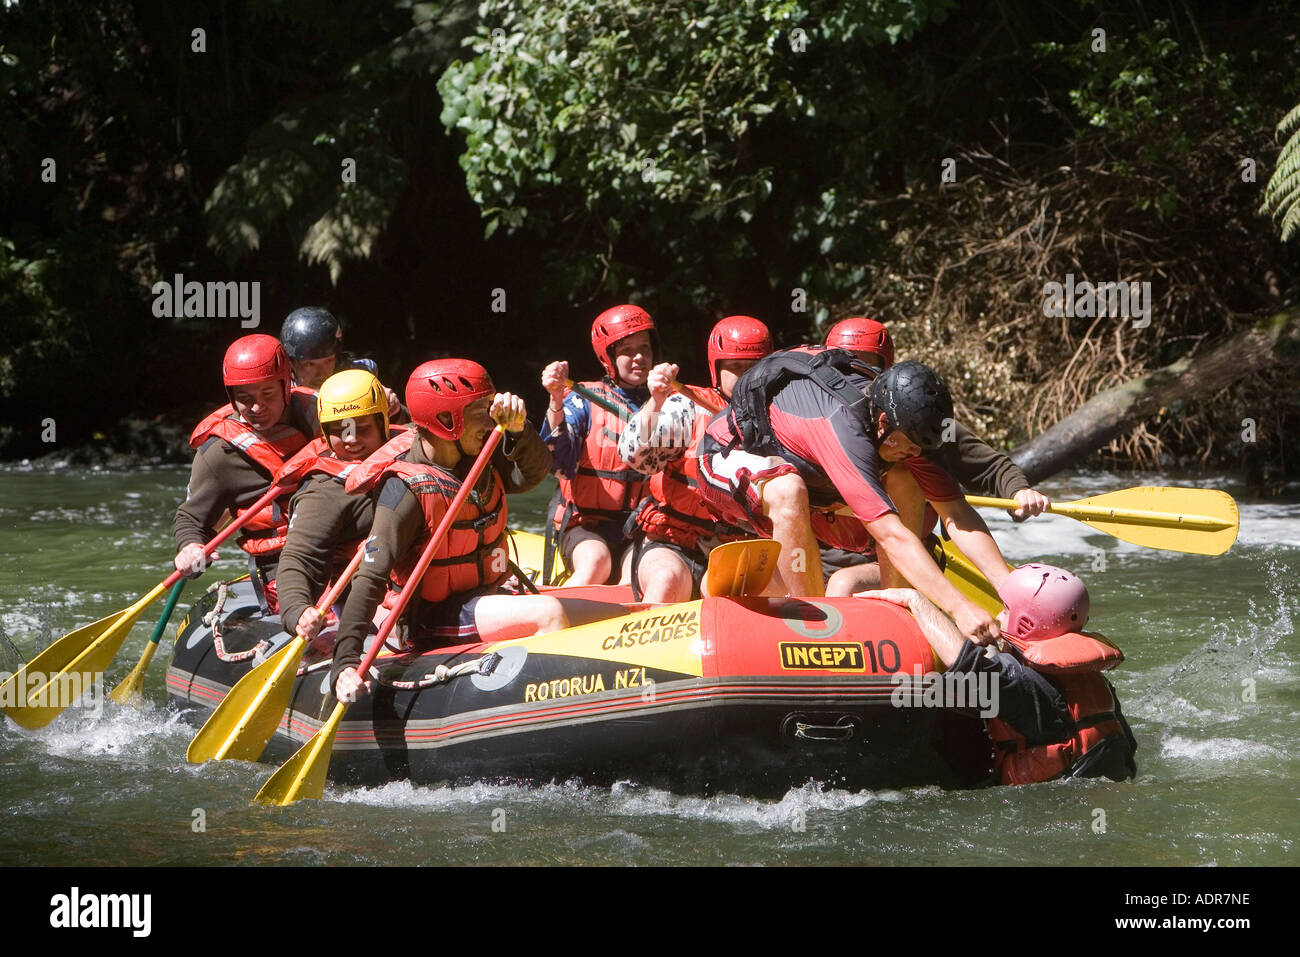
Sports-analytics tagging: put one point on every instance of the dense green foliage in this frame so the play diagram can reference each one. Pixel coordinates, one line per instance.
(776, 157)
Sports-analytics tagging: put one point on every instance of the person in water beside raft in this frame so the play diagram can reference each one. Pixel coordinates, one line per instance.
(453, 406)
(802, 433)
(598, 490)
(978, 468)
(1058, 717)
(239, 448)
(676, 530)
(326, 523)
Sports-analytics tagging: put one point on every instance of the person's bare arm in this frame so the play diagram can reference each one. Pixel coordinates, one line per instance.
(906, 554)
(972, 536)
(938, 629)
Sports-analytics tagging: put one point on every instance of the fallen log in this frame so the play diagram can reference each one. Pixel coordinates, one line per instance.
(1109, 414)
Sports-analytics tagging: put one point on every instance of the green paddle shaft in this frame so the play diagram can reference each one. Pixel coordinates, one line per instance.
(168, 608)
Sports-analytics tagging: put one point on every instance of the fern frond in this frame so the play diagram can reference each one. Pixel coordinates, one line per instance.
(1291, 222)
(1282, 193)
(1290, 121)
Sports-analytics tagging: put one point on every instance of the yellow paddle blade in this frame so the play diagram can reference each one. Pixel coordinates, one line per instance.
(247, 717)
(742, 568)
(968, 579)
(303, 775)
(131, 688)
(1200, 521)
(41, 689)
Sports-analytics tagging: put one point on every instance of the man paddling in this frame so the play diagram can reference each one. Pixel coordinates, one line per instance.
(454, 406)
(239, 448)
(1057, 717)
(326, 523)
(803, 432)
(598, 490)
(676, 529)
(978, 468)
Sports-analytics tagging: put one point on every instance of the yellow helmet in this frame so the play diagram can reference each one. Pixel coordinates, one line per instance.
(350, 395)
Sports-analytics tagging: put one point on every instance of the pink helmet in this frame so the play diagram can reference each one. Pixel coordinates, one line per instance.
(1043, 601)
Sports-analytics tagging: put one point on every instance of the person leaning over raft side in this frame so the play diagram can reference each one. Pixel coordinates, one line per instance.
(313, 340)
(598, 490)
(1057, 717)
(453, 405)
(675, 529)
(810, 428)
(239, 448)
(978, 467)
(326, 523)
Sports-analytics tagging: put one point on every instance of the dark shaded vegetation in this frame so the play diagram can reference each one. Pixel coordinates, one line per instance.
(699, 158)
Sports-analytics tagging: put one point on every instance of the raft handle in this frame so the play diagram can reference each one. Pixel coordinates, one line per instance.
(800, 726)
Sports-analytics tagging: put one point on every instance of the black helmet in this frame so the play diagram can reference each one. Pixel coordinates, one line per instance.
(915, 400)
(310, 333)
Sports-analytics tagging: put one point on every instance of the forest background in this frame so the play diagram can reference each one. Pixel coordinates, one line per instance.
(482, 179)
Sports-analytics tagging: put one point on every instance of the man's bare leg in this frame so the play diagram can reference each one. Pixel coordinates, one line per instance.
(906, 495)
(785, 503)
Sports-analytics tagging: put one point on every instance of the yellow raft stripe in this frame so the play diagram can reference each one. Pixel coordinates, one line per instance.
(667, 638)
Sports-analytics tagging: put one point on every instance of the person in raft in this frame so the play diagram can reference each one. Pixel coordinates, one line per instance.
(1058, 717)
(326, 523)
(676, 530)
(453, 406)
(313, 340)
(816, 428)
(239, 448)
(598, 490)
(978, 468)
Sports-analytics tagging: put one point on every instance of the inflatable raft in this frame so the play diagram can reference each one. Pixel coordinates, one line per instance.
(740, 694)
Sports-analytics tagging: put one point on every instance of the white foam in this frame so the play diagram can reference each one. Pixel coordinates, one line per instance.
(1217, 749)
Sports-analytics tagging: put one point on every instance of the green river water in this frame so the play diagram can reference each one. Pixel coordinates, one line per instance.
(1219, 775)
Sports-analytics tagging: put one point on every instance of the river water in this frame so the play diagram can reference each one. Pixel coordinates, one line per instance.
(1211, 687)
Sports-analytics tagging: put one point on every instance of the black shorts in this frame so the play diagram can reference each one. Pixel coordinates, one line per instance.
(693, 558)
(449, 622)
(611, 533)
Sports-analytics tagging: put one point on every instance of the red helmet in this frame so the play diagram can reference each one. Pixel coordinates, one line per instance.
(737, 337)
(860, 334)
(256, 358)
(614, 325)
(1043, 601)
(445, 386)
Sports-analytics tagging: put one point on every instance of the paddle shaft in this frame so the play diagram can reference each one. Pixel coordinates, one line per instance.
(272, 493)
(426, 557)
(1122, 516)
(167, 612)
(303, 775)
(332, 595)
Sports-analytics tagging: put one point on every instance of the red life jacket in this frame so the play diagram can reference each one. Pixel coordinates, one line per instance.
(604, 488)
(317, 457)
(674, 511)
(272, 450)
(474, 551)
(1074, 662)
